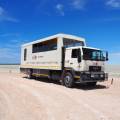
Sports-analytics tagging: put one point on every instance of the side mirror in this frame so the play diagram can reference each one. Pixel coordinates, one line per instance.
(107, 56)
(79, 56)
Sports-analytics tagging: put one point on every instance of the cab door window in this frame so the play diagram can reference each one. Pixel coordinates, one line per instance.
(74, 53)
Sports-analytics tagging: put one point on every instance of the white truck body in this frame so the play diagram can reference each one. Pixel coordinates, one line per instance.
(46, 59)
(64, 57)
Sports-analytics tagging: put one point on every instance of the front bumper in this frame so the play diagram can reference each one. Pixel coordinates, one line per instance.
(93, 77)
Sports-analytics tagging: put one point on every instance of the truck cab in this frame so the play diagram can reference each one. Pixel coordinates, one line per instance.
(87, 63)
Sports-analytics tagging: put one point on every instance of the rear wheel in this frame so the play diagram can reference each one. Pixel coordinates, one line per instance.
(91, 84)
(30, 74)
(68, 80)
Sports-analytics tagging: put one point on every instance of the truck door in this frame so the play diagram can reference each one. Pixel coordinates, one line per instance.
(71, 59)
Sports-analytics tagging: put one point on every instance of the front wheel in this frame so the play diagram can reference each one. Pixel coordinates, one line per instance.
(68, 80)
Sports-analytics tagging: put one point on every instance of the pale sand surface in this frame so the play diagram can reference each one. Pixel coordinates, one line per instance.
(10, 68)
(113, 70)
(24, 99)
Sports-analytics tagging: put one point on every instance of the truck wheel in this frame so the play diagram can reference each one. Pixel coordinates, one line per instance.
(30, 74)
(68, 80)
(91, 84)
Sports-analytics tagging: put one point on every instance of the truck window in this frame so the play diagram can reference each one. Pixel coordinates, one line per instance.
(25, 54)
(45, 46)
(72, 43)
(93, 54)
(74, 53)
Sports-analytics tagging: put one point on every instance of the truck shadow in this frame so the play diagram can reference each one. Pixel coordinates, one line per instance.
(86, 87)
(76, 86)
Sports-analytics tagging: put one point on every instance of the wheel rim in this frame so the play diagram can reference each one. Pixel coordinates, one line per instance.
(67, 80)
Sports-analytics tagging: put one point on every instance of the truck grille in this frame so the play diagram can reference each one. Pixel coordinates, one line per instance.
(94, 68)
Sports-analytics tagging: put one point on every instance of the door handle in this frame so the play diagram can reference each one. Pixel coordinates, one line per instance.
(71, 63)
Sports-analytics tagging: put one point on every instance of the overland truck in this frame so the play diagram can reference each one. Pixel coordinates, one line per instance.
(65, 58)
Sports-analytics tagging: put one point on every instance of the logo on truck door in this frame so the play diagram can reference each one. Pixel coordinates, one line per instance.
(35, 57)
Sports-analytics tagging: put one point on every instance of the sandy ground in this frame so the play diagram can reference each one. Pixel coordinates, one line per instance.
(24, 99)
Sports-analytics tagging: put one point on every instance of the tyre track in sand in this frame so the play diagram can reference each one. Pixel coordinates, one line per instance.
(6, 106)
(19, 103)
(92, 112)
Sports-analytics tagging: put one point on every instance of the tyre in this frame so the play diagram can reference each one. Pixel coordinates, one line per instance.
(91, 84)
(68, 80)
(30, 74)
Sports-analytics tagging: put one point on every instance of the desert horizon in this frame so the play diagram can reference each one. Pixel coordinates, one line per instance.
(113, 70)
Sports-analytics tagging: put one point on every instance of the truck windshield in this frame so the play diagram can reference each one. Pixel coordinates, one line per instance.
(92, 54)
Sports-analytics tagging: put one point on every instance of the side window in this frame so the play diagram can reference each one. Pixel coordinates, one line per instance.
(74, 53)
(25, 54)
(45, 46)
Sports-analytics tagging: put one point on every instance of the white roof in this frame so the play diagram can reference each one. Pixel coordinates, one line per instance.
(56, 36)
(82, 47)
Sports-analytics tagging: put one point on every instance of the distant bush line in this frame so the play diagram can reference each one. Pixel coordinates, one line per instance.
(10, 64)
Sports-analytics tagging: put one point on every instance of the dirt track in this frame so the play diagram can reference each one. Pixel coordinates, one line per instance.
(23, 99)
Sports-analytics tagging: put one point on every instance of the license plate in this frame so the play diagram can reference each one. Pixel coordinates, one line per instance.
(94, 76)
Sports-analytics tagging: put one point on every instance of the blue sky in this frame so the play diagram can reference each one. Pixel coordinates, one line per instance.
(23, 21)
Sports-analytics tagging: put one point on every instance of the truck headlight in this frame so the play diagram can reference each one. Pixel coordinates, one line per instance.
(92, 75)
